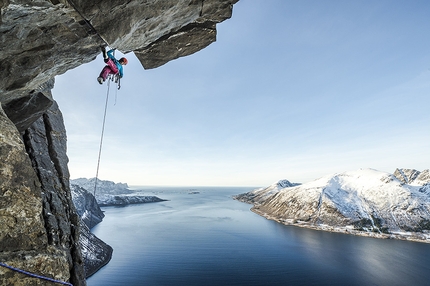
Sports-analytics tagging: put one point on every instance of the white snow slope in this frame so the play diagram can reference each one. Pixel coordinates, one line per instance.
(364, 202)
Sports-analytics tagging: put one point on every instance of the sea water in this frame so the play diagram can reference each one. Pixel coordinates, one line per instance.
(201, 236)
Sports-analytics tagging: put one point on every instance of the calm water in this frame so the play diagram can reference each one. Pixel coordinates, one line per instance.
(210, 239)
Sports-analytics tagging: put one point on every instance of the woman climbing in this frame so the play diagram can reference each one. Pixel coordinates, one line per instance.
(113, 66)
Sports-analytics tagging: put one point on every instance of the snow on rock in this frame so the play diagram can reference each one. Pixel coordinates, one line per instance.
(406, 176)
(121, 200)
(108, 193)
(422, 179)
(103, 187)
(95, 252)
(86, 206)
(263, 193)
(365, 201)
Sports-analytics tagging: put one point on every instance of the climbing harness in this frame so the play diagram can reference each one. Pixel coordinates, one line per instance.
(34, 275)
(117, 80)
(116, 77)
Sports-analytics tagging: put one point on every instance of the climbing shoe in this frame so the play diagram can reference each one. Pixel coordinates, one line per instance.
(100, 80)
(105, 56)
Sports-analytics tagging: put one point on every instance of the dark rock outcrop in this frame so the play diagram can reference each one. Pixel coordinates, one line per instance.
(406, 176)
(39, 226)
(45, 141)
(95, 252)
(25, 110)
(86, 206)
(412, 176)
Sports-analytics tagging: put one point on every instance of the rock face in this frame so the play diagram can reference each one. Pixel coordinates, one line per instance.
(86, 206)
(363, 202)
(95, 252)
(39, 226)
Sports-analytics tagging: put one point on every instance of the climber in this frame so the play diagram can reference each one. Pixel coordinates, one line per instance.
(113, 66)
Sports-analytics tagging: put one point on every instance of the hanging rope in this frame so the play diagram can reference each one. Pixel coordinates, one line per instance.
(101, 140)
(98, 161)
(34, 275)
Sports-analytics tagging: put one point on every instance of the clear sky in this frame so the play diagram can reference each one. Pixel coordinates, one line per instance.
(290, 90)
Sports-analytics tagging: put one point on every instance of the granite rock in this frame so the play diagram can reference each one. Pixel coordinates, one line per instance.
(24, 241)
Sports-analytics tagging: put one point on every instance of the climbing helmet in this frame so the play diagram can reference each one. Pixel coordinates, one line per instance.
(123, 61)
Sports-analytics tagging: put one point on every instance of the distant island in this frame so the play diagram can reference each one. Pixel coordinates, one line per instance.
(109, 193)
(364, 202)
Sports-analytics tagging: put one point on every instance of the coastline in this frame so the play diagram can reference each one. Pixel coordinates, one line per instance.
(107, 252)
(411, 236)
(100, 266)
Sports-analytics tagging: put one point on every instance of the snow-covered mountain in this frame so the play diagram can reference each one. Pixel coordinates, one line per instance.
(364, 202)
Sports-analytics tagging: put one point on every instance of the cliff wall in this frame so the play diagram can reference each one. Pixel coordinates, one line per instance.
(39, 226)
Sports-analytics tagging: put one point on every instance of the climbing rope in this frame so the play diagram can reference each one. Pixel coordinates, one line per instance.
(100, 152)
(110, 78)
(34, 275)
(101, 139)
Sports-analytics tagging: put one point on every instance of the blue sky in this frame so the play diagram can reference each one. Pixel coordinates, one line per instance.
(290, 90)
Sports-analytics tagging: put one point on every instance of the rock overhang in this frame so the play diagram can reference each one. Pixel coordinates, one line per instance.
(42, 39)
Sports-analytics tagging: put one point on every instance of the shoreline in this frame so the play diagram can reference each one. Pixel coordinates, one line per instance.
(100, 266)
(413, 237)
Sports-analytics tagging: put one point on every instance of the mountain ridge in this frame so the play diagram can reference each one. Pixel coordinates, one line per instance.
(362, 202)
(107, 193)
